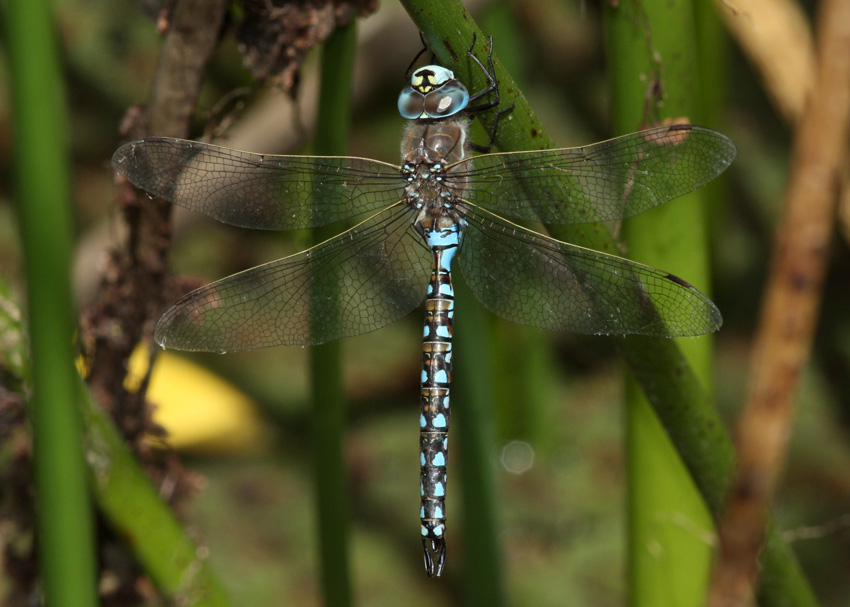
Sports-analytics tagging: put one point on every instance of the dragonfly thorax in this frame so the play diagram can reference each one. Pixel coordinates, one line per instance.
(428, 150)
(427, 192)
(435, 142)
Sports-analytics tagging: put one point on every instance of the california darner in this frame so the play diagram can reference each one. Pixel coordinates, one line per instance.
(439, 204)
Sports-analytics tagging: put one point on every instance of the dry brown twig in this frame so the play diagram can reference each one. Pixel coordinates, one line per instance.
(790, 308)
(135, 273)
(132, 283)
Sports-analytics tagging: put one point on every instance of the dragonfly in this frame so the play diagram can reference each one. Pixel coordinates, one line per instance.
(441, 203)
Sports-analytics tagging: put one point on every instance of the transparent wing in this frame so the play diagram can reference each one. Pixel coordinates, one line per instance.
(359, 281)
(534, 280)
(610, 180)
(255, 190)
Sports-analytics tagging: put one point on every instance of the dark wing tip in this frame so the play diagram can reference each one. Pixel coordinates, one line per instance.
(710, 312)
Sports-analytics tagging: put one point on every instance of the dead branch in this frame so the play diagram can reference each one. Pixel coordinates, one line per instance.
(790, 309)
(131, 288)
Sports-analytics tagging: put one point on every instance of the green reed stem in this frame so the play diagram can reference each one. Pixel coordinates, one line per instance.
(132, 506)
(64, 521)
(652, 51)
(472, 395)
(328, 410)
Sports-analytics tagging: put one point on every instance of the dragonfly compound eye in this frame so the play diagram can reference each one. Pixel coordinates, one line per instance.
(433, 92)
(447, 100)
(411, 103)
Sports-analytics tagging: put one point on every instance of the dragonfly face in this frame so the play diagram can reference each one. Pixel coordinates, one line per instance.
(440, 205)
(433, 92)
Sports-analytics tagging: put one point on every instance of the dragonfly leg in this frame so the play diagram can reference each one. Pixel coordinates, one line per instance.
(416, 58)
(490, 73)
(485, 149)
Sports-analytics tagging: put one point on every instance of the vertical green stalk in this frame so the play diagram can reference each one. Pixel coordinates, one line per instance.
(63, 512)
(654, 72)
(472, 396)
(713, 47)
(334, 118)
(522, 359)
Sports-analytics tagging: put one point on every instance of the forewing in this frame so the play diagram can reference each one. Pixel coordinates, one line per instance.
(357, 282)
(534, 280)
(609, 180)
(255, 190)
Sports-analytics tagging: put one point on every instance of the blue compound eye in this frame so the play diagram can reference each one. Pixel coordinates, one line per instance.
(433, 93)
(447, 100)
(411, 103)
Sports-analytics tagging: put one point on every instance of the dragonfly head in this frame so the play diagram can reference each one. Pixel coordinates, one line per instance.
(433, 92)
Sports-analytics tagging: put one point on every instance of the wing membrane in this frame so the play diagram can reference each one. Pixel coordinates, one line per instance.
(255, 190)
(609, 180)
(354, 283)
(534, 280)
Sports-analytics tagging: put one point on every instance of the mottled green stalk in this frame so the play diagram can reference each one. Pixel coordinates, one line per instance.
(328, 411)
(41, 159)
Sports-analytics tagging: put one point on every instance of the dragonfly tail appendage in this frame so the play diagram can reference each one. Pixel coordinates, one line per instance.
(435, 556)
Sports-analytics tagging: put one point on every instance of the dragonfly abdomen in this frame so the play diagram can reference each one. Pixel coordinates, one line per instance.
(434, 398)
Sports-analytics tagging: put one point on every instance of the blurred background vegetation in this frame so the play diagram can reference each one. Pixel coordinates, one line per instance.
(561, 487)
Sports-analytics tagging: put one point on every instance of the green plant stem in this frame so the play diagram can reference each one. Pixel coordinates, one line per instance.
(123, 492)
(522, 358)
(652, 47)
(682, 405)
(63, 512)
(328, 410)
(132, 506)
(472, 394)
